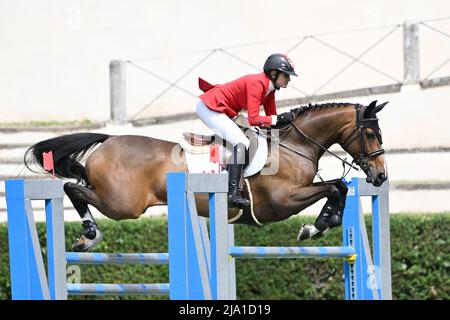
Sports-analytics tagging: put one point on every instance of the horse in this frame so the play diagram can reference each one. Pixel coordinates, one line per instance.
(126, 174)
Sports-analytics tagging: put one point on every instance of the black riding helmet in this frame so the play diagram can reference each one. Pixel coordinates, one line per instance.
(281, 63)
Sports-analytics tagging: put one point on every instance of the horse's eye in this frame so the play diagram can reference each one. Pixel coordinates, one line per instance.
(371, 136)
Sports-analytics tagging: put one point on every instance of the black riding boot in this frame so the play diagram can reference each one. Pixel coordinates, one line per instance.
(235, 198)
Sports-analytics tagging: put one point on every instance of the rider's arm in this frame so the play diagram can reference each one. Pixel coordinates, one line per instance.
(270, 107)
(254, 94)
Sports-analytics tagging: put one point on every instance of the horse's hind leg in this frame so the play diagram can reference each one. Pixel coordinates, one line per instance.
(81, 197)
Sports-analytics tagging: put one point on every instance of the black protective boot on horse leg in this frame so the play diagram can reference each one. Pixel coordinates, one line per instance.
(330, 216)
(338, 212)
(333, 210)
(92, 235)
(235, 198)
(322, 223)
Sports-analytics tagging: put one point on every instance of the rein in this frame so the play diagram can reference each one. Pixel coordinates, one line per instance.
(362, 161)
(289, 147)
(300, 132)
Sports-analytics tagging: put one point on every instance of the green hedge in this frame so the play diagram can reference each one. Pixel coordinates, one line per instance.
(420, 259)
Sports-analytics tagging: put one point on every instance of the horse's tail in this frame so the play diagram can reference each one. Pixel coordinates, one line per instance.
(67, 151)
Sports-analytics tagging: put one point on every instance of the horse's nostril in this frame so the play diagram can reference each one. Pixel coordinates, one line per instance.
(381, 176)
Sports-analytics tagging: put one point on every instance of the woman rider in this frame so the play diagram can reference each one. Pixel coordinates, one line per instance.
(222, 102)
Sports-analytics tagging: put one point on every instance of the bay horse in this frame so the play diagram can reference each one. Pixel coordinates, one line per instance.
(126, 174)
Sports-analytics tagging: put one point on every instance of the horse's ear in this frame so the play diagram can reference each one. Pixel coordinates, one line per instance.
(380, 107)
(368, 111)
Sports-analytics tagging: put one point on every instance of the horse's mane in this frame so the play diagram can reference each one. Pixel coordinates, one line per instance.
(285, 128)
(313, 107)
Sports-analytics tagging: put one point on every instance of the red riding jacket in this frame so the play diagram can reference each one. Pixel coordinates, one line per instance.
(247, 92)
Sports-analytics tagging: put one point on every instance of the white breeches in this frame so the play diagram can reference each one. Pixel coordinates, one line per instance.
(221, 125)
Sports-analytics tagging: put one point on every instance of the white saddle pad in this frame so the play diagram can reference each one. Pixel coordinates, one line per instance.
(198, 158)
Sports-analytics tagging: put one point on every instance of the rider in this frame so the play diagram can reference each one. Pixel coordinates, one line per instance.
(221, 102)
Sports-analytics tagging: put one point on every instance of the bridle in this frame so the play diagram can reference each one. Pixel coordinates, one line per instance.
(362, 123)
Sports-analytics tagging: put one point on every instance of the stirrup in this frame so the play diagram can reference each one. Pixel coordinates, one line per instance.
(240, 205)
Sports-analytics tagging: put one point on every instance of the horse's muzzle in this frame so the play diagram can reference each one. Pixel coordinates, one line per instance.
(379, 179)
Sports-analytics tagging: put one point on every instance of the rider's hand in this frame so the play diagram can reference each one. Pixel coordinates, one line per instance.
(264, 126)
(286, 117)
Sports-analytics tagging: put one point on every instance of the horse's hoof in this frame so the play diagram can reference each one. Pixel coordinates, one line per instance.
(85, 244)
(320, 234)
(308, 231)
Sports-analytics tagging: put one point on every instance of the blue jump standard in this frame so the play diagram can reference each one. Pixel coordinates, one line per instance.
(201, 263)
(205, 267)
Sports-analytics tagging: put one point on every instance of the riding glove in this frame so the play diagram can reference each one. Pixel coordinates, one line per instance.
(286, 117)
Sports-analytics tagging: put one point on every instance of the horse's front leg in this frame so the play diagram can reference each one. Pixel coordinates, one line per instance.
(300, 197)
(333, 210)
(303, 197)
(330, 215)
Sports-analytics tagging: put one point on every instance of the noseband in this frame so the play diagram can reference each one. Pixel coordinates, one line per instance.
(362, 123)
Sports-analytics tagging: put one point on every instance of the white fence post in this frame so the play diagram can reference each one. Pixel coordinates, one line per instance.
(411, 58)
(117, 80)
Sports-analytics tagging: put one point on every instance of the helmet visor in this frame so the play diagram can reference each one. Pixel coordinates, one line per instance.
(291, 73)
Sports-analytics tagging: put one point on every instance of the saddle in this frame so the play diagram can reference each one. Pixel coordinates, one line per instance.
(195, 145)
(203, 142)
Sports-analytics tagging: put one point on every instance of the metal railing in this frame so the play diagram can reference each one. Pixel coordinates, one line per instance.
(322, 83)
(435, 27)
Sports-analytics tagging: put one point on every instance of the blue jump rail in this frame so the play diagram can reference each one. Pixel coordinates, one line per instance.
(292, 252)
(117, 258)
(118, 289)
